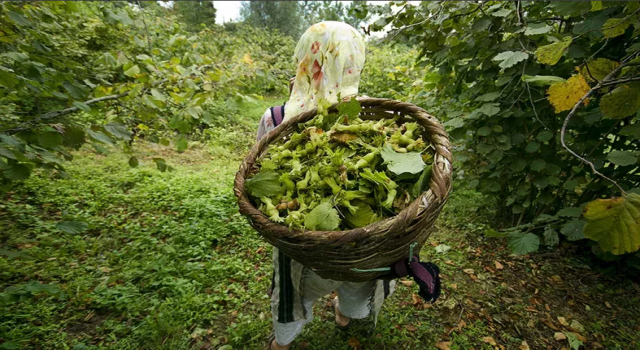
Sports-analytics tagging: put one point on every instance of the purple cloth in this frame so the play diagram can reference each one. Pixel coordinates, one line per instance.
(427, 275)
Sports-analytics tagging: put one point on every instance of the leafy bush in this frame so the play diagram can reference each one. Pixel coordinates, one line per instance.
(76, 72)
(390, 71)
(508, 75)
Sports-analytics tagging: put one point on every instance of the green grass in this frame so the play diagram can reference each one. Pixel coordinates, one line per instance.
(168, 263)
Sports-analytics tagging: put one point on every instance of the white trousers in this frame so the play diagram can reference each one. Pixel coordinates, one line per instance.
(296, 287)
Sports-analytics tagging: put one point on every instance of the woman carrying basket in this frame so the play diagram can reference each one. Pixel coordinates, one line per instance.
(329, 58)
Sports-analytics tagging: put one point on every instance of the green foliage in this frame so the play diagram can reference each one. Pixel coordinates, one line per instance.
(264, 184)
(158, 256)
(108, 73)
(614, 223)
(504, 76)
(364, 216)
(20, 292)
(167, 263)
(322, 218)
(72, 227)
(401, 163)
(523, 243)
(354, 160)
(196, 14)
(317, 11)
(284, 16)
(292, 18)
(401, 80)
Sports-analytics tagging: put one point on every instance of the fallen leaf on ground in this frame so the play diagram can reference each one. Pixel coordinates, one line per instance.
(407, 283)
(606, 303)
(443, 345)
(577, 326)
(499, 266)
(581, 337)
(450, 304)
(458, 327)
(468, 271)
(26, 245)
(524, 346)
(416, 299)
(559, 336)
(550, 324)
(411, 328)
(354, 343)
(489, 340)
(563, 321)
(454, 286)
(442, 248)
(105, 269)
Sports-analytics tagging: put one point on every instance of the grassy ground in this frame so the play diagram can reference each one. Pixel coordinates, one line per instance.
(168, 263)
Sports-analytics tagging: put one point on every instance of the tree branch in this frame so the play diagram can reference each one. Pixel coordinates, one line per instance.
(613, 26)
(468, 13)
(619, 81)
(399, 30)
(606, 80)
(65, 111)
(145, 26)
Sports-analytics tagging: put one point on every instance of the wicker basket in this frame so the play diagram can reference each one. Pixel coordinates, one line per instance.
(334, 254)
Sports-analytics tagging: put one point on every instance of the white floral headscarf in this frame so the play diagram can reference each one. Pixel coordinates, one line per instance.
(329, 59)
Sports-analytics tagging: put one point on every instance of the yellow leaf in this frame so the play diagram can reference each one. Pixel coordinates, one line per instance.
(552, 53)
(563, 96)
(343, 137)
(489, 340)
(443, 345)
(563, 321)
(247, 59)
(407, 283)
(559, 336)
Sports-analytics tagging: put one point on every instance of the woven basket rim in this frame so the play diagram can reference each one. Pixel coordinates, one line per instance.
(439, 184)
